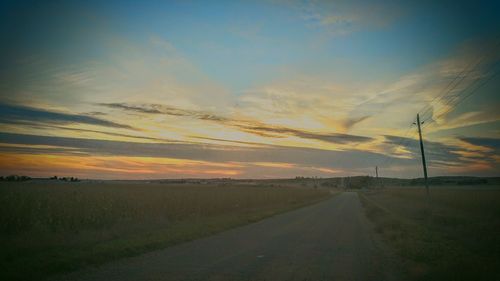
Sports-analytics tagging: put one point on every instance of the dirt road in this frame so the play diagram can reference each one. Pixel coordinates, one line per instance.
(332, 240)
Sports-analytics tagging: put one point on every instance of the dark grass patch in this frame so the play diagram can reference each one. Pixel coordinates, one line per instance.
(453, 236)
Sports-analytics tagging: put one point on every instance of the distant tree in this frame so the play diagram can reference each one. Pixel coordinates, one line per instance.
(16, 178)
(24, 178)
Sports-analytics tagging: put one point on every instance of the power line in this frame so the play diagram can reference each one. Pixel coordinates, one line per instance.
(452, 98)
(447, 89)
(466, 96)
(462, 75)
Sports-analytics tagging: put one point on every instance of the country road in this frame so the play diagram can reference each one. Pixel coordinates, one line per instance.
(331, 240)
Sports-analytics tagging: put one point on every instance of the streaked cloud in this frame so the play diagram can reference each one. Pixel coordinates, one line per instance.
(489, 147)
(113, 167)
(16, 113)
(442, 155)
(270, 131)
(253, 127)
(205, 152)
(340, 17)
(167, 110)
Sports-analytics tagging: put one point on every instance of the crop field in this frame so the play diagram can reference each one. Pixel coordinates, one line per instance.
(53, 227)
(454, 234)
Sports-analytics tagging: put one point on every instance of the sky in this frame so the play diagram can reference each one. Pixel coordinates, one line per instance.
(248, 89)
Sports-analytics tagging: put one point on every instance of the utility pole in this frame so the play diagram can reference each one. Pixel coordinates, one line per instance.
(423, 153)
(376, 176)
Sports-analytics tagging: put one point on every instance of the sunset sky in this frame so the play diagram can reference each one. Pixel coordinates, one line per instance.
(248, 89)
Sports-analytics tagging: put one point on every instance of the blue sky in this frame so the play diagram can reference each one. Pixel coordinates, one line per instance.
(234, 41)
(240, 74)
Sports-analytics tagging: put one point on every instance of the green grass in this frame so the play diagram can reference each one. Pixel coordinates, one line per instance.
(453, 235)
(50, 228)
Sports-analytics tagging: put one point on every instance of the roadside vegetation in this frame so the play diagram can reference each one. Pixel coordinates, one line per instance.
(452, 235)
(53, 227)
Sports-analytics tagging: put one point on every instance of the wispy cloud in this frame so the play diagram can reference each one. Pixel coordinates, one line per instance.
(167, 110)
(434, 150)
(276, 131)
(343, 17)
(489, 147)
(208, 152)
(351, 122)
(492, 143)
(447, 155)
(12, 114)
(248, 126)
(128, 136)
(112, 167)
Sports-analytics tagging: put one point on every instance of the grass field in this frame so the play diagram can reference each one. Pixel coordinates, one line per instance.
(453, 235)
(53, 227)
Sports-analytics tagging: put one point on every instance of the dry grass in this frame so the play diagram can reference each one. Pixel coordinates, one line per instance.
(454, 235)
(47, 228)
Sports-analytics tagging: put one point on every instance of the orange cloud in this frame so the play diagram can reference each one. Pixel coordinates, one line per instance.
(113, 166)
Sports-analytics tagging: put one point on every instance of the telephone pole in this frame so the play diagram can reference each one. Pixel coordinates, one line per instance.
(376, 171)
(424, 165)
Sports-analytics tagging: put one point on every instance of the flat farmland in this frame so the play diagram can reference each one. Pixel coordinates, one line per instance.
(53, 227)
(454, 234)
